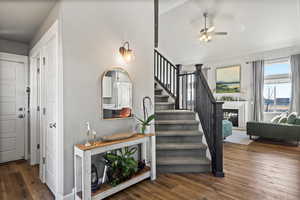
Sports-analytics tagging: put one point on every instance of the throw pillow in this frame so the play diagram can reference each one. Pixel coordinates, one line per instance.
(282, 120)
(292, 118)
(297, 121)
(276, 119)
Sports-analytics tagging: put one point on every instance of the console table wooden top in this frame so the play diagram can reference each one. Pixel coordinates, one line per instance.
(103, 144)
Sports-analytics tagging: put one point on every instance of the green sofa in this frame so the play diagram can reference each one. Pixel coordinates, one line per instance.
(282, 131)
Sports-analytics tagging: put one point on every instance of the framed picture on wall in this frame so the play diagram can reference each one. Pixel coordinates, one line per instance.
(228, 79)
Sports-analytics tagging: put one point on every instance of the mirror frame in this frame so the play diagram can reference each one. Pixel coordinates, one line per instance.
(101, 92)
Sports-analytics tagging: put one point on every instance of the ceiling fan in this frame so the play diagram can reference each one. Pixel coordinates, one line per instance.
(207, 33)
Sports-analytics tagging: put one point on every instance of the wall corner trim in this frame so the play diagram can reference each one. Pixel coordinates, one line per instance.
(70, 196)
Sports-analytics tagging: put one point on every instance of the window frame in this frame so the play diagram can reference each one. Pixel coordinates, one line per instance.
(277, 79)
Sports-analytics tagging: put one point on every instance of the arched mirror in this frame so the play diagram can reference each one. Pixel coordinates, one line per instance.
(116, 94)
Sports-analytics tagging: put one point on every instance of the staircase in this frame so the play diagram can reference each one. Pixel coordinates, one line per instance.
(179, 146)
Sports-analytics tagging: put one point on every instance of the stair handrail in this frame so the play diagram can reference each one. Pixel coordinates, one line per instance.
(166, 74)
(210, 113)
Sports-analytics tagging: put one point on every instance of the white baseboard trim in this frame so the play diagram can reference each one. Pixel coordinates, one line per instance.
(70, 196)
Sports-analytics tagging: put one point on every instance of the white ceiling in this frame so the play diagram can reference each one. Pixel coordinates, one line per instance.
(168, 5)
(253, 26)
(20, 19)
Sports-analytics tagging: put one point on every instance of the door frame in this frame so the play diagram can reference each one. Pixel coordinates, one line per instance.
(53, 31)
(24, 60)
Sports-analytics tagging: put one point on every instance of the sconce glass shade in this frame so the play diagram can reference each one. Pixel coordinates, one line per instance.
(126, 53)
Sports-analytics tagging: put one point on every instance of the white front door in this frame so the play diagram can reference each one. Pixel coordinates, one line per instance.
(49, 98)
(12, 110)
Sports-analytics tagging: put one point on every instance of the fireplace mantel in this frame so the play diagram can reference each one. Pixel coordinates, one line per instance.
(242, 107)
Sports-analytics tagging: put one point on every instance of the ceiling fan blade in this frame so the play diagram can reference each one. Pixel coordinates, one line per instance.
(220, 33)
(211, 29)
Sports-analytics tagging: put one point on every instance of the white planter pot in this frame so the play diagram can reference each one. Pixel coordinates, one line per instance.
(147, 129)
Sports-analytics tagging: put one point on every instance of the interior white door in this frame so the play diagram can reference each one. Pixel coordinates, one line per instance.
(12, 110)
(50, 110)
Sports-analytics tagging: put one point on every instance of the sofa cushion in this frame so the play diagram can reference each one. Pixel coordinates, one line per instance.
(227, 128)
(276, 119)
(283, 120)
(297, 121)
(292, 118)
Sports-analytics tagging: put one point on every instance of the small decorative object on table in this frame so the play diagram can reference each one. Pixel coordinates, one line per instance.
(145, 124)
(141, 164)
(88, 132)
(94, 179)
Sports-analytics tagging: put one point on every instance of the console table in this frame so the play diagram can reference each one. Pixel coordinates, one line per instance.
(82, 165)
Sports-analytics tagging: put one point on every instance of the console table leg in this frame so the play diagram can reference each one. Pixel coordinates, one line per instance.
(153, 157)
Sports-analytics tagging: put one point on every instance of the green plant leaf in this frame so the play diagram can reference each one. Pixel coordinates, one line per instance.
(150, 118)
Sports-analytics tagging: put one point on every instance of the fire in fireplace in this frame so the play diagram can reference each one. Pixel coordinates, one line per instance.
(232, 115)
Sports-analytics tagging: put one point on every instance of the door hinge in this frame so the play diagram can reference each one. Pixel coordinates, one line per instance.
(38, 146)
(28, 90)
(44, 160)
(38, 108)
(44, 61)
(38, 70)
(44, 111)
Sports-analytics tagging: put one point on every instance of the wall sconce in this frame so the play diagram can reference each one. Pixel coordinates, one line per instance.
(126, 52)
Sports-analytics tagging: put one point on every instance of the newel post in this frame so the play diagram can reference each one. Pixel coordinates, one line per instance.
(177, 95)
(198, 67)
(218, 141)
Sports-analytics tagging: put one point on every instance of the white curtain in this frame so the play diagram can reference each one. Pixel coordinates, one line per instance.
(258, 90)
(295, 72)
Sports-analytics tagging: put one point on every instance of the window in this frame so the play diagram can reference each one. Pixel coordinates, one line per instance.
(277, 86)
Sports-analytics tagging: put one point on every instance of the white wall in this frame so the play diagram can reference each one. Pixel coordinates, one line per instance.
(92, 32)
(8, 46)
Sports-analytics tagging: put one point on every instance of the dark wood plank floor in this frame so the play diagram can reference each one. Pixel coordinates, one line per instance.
(20, 181)
(259, 171)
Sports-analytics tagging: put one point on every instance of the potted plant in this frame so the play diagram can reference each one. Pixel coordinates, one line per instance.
(145, 124)
(121, 165)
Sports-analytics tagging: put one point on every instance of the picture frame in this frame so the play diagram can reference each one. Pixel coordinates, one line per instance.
(228, 79)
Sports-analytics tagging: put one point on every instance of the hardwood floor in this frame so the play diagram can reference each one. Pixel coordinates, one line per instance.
(259, 171)
(20, 181)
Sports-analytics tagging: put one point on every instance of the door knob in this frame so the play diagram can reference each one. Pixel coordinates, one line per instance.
(21, 116)
(52, 125)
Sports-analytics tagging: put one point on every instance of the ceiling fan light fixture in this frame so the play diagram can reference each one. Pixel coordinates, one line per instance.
(207, 33)
(202, 37)
(211, 29)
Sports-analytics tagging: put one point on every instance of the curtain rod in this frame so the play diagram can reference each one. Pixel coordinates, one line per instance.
(270, 59)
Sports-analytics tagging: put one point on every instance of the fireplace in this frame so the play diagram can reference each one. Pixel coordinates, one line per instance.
(232, 115)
